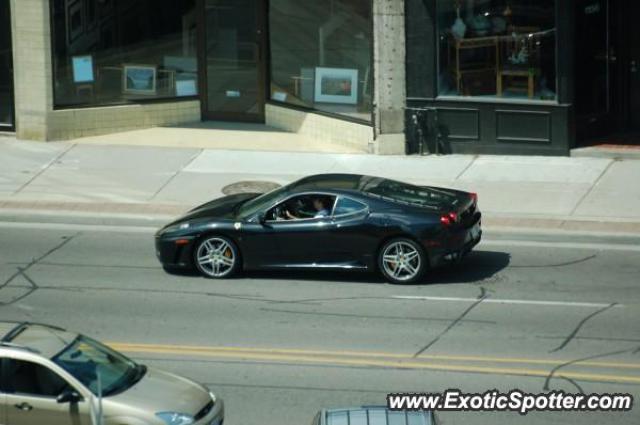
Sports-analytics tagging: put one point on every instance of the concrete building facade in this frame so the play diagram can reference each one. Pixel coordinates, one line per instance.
(40, 114)
(378, 76)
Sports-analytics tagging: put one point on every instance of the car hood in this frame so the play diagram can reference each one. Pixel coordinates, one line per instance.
(219, 208)
(160, 391)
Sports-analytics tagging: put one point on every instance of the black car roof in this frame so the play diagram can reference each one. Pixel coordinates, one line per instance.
(354, 182)
(374, 187)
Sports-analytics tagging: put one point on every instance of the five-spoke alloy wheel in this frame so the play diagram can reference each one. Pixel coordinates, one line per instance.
(402, 261)
(216, 257)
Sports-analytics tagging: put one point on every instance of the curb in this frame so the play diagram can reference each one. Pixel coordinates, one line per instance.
(105, 208)
(568, 225)
(110, 212)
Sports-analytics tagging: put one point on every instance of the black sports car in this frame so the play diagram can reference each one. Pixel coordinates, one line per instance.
(338, 221)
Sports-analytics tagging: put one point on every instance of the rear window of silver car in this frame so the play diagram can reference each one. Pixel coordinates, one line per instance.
(377, 417)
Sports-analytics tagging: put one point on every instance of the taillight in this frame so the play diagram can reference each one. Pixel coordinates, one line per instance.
(474, 196)
(449, 218)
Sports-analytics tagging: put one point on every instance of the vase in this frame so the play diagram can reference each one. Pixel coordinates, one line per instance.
(458, 29)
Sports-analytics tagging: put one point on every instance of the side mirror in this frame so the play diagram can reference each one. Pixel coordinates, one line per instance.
(262, 218)
(69, 396)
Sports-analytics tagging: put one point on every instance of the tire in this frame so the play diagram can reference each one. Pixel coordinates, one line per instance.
(216, 257)
(402, 261)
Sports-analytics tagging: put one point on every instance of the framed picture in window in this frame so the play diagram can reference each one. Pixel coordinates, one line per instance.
(82, 69)
(139, 79)
(336, 85)
(75, 21)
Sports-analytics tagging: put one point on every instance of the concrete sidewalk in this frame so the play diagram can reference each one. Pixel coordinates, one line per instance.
(597, 194)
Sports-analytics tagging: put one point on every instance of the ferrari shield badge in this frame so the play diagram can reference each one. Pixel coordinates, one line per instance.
(237, 225)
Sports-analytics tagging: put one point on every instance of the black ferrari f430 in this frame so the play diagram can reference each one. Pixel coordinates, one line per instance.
(330, 221)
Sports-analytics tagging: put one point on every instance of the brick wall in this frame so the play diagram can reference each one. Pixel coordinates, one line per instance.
(72, 123)
(320, 127)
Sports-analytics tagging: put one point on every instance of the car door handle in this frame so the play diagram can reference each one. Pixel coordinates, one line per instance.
(25, 407)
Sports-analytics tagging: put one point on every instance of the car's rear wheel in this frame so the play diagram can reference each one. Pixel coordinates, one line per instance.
(216, 257)
(402, 260)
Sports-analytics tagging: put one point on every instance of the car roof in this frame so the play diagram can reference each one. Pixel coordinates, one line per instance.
(43, 339)
(349, 182)
(376, 415)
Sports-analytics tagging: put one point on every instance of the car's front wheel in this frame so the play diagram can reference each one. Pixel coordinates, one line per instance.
(216, 257)
(402, 260)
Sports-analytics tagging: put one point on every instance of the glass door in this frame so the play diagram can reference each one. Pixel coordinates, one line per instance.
(6, 69)
(233, 60)
(632, 66)
(595, 65)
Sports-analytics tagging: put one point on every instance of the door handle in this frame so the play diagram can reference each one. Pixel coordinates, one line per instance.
(25, 407)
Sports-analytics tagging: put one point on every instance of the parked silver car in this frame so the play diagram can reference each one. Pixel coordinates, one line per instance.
(55, 377)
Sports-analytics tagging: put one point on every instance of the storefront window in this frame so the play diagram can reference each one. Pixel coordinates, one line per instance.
(121, 51)
(321, 55)
(497, 49)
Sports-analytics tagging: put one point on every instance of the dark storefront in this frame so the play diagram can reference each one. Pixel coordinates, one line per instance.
(120, 51)
(519, 76)
(257, 51)
(607, 72)
(6, 69)
(233, 55)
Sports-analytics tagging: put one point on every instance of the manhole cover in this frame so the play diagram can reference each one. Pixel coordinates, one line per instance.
(249, 187)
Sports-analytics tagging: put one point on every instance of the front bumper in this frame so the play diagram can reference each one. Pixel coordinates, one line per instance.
(175, 252)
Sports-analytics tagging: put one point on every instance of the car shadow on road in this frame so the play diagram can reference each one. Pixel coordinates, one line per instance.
(347, 276)
(476, 267)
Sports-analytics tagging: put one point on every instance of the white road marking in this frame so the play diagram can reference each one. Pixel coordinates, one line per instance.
(80, 227)
(506, 301)
(487, 242)
(563, 245)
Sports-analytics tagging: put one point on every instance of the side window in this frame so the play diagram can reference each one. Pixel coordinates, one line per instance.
(348, 206)
(340, 417)
(33, 379)
(303, 207)
(347, 417)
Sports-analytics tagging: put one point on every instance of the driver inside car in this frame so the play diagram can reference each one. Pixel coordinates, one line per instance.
(318, 205)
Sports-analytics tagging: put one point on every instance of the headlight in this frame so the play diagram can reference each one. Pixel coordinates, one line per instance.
(174, 418)
(176, 227)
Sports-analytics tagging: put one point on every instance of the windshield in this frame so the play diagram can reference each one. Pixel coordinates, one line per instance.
(86, 358)
(261, 202)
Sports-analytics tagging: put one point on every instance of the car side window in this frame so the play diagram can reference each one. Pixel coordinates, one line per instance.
(34, 379)
(348, 206)
(302, 207)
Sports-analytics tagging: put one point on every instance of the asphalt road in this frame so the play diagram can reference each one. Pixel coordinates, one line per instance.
(531, 312)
